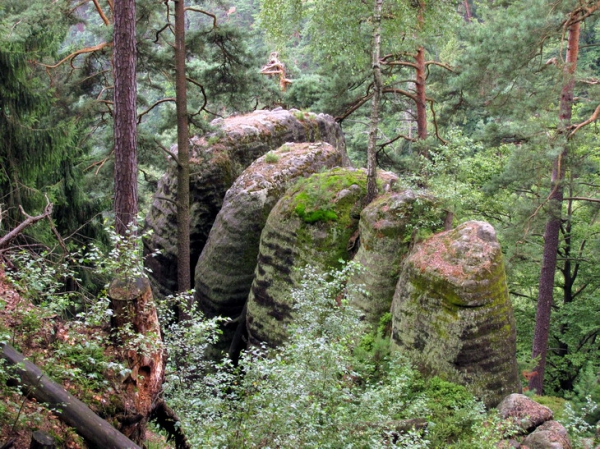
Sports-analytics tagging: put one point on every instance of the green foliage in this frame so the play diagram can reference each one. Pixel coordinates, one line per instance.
(319, 389)
(271, 158)
(34, 140)
(314, 197)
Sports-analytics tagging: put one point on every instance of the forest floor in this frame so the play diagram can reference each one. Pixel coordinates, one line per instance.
(46, 339)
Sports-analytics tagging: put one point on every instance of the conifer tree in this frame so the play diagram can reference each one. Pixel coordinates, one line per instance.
(36, 142)
(522, 90)
(125, 115)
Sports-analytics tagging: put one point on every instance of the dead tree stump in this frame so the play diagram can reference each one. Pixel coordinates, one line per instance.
(41, 440)
(136, 332)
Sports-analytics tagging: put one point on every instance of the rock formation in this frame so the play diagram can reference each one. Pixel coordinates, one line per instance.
(225, 269)
(217, 159)
(254, 228)
(534, 424)
(314, 223)
(388, 227)
(524, 412)
(452, 315)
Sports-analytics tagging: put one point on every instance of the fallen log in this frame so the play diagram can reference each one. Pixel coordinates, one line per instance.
(96, 431)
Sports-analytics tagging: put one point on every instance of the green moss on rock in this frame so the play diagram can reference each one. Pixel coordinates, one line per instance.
(388, 227)
(452, 315)
(312, 224)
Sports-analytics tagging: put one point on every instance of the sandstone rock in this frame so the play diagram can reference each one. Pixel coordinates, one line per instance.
(452, 315)
(550, 435)
(217, 159)
(312, 224)
(525, 412)
(388, 228)
(225, 269)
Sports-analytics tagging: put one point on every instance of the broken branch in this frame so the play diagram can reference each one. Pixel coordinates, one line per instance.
(4, 241)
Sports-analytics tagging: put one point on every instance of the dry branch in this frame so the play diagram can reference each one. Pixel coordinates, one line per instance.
(4, 241)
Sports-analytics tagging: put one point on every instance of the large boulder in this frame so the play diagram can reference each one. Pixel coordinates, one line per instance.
(452, 315)
(550, 435)
(524, 412)
(315, 224)
(217, 159)
(388, 227)
(225, 269)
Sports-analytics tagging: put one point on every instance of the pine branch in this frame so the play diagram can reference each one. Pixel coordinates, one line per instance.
(102, 15)
(189, 8)
(169, 152)
(592, 118)
(357, 104)
(164, 100)
(77, 53)
(435, 125)
(582, 198)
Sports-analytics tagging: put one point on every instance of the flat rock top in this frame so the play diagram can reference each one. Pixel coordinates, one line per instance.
(459, 254)
(290, 157)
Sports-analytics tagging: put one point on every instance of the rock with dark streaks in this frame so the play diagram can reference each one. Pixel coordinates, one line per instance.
(217, 159)
(452, 315)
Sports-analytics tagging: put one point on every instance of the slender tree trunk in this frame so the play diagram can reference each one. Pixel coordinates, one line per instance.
(125, 127)
(421, 94)
(375, 104)
(183, 154)
(551, 234)
(421, 85)
(468, 15)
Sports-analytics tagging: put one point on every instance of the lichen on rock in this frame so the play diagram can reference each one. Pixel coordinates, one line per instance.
(217, 159)
(225, 269)
(452, 315)
(388, 227)
(312, 224)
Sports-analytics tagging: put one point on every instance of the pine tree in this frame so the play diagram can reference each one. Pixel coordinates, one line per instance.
(125, 115)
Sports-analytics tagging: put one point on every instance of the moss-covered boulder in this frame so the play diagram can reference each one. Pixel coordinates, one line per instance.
(388, 228)
(315, 224)
(217, 159)
(225, 269)
(451, 313)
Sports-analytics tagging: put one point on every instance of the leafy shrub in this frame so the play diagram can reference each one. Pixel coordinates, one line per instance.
(319, 389)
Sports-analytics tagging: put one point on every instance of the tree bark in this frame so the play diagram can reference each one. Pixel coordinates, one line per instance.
(125, 115)
(375, 104)
(421, 98)
(69, 409)
(183, 166)
(134, 314)
(420, 84)
(552, 231)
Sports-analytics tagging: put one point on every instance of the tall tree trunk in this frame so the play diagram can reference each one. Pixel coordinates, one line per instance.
(183, 154)
(125, 127)
(420, 84)
(375, 104)
(421, 94)
(551, 234)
